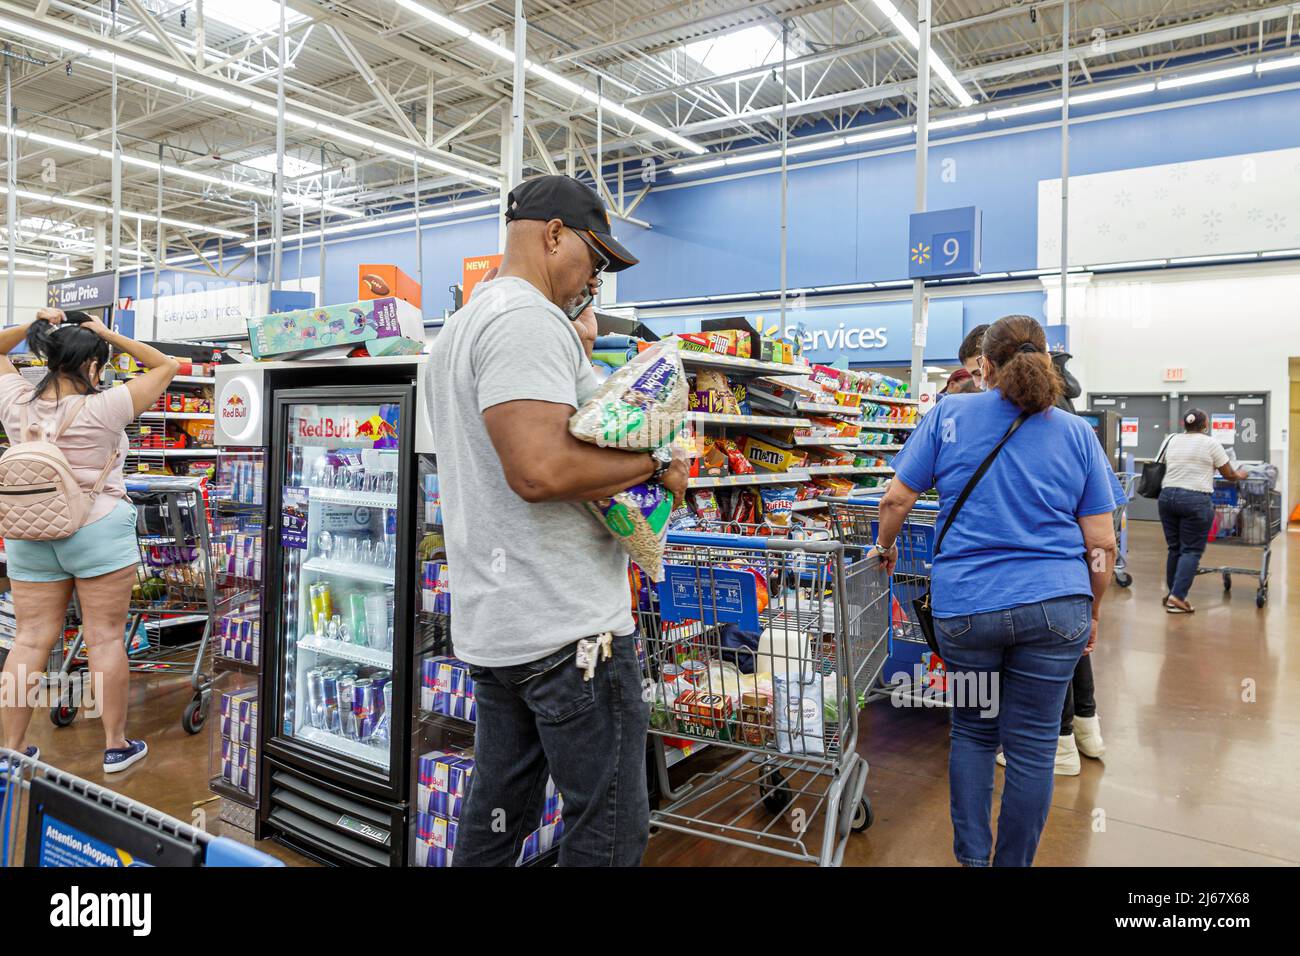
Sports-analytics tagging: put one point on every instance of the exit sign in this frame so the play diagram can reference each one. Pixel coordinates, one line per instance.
(1175, 374)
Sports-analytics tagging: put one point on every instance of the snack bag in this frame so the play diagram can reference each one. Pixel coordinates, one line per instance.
(713, 394)
(640, 407)
(712, 460)
(778, 504)
(740, 465)
(705, 504)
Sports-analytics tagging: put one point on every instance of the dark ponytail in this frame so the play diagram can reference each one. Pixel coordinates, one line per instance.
(1195, 420)
(67, 351)
(1024, 374)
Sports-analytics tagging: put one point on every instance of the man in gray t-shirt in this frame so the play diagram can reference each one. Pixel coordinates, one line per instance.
(532, 572)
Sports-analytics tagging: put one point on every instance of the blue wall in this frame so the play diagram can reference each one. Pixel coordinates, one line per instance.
(848, 220)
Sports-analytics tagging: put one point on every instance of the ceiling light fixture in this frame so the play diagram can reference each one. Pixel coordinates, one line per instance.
(1101, 95)
(428, 158)
(130, 214)
(1175, 82)
(426, 213)
(1282, 64)
(936, 62)
(294, 202)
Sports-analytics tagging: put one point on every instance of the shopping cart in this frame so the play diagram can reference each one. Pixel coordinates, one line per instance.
(760, 646)
(856, 522)
(51, 818)
(1247, 514)
(175, 586)
(1128, 482)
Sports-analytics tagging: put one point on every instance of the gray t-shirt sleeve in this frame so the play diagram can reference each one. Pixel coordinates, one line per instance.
(525, 354)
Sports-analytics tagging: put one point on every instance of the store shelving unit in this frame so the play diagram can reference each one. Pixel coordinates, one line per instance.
(143, 457)
(237, 504)
(773, 413)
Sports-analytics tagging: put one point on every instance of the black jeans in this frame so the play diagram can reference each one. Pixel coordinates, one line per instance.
(590, 736)
(1080, 696)
(1186, 517)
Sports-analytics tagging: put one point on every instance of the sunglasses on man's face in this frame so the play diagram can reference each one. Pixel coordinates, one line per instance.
(600, 261)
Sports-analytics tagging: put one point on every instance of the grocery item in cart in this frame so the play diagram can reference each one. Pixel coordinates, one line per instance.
(800, 720)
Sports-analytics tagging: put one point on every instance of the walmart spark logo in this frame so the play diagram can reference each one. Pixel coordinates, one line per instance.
(920, 253)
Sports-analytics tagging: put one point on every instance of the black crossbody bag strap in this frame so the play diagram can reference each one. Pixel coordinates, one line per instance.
(921, 605)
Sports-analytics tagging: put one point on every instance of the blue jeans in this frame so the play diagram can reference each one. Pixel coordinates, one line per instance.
(542, 717)
(1186, 517)
(1032, 649)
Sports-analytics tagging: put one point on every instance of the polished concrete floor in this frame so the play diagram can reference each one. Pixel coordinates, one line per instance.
(1201, 715)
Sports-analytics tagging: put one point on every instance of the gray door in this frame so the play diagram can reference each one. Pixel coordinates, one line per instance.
(1152, 412)
(1248, 412)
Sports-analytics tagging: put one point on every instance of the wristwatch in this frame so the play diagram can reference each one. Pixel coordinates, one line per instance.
(663, 459)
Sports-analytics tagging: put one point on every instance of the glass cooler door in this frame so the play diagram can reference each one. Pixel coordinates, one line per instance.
(338, 555)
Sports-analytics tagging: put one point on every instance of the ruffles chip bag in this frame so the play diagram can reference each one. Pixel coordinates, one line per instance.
(640, 407)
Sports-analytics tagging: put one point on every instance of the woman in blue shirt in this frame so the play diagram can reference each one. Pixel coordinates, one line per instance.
(1018, 582)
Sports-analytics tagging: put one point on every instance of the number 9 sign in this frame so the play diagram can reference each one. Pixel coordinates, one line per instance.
(951, 250)
(944, 243)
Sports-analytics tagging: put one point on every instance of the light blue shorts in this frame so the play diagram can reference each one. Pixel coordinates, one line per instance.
(98, 548)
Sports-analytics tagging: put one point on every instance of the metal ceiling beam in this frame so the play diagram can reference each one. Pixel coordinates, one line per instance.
(63, 30)
(376, 85)
(1135, 41)
(156, 29)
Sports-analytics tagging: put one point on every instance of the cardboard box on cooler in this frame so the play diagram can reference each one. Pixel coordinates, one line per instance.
(335, 326)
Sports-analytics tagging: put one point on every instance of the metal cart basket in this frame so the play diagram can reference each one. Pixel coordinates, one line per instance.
(1247, 514)
(175, 584)
(856, 523)
(762, 647)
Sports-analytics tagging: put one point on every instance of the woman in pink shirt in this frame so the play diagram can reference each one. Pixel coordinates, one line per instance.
(88, 425)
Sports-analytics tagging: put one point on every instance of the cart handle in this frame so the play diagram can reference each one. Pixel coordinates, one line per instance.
(752, 542)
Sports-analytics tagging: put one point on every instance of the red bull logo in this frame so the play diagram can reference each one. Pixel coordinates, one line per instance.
(234, 408)
(376, 429)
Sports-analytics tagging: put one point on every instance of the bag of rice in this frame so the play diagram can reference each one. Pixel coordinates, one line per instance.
(640, 407)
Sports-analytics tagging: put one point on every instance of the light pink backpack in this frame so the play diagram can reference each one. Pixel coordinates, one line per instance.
(40, 499)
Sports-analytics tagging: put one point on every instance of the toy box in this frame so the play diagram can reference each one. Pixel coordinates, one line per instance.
(347, 325)
(380, 281)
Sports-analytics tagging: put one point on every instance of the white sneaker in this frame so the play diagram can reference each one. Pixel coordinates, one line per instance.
(1067, 757)
(1087, 734)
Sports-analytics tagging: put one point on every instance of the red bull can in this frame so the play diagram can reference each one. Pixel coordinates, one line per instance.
(330, 699)
(347, 719)
(364, 710)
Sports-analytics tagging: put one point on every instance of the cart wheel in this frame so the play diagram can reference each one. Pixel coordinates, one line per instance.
(1261, 597)
(776, 795)
(1123, 578)
(195, 714)
(1227, 582)
(863, 816)
(63, 713)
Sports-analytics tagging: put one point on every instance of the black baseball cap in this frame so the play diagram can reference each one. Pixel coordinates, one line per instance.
(574, 204)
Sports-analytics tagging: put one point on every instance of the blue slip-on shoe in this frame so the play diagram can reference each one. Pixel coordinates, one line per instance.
(119, 758)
